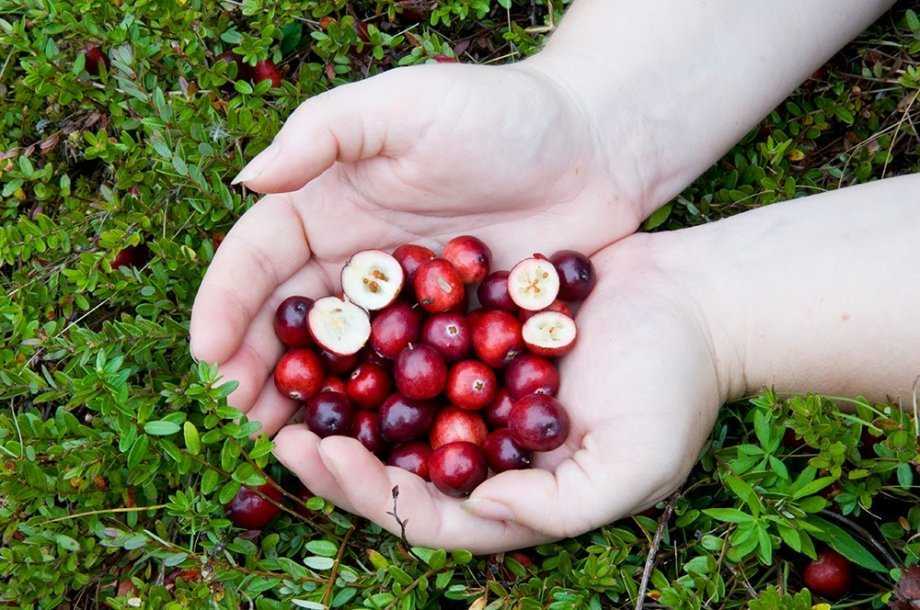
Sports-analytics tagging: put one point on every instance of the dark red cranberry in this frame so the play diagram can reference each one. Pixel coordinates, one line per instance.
(498, 410)
(251, 511)
(576, 275)
(452, 425)
(394, 328)
(338, 364)
(291, 321)
(299, 374)
(493, 292)
(829, 576)
(557, 306)
(412, 457)
(497, 337)
(438, 286)
(503, 453)
(458, 468)
(94, 59)
(471, 384)
(333, 384)
(403, 419)
(131, 256)
(538, 422)
(366, 428)
(450, 334)
(530, 374)
(267, 70)
(411, 257)
(329, 413)
(420, 372)
(368, 385)
(470, 257)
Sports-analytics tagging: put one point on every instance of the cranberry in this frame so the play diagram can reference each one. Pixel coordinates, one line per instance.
(337, 363)
(328, 413)
(333, 384)
(471, 384)
(412, 457)
(498, 410)
(829, 576)
(411, 257)
(576, 275)
(267, 70)
(131, 256)
(557, 306)
(449, 333)
(503, 453)
(251, 511)
(493, 292)
(470, 257)
(403, 419)
(243, 70)
(538, 422)
(368, 386)
(366, 428)
(457, 468)
(497, 337)
(395, 327)
(452, 425)
(299, 374)
(420, 372)
(94, 59)
(438, 286)
(291, 321)
(530, 374)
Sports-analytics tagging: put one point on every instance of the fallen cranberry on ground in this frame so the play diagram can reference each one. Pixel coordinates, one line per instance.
(249, 510)
(829, 576)
(267, 70)
(94, 59)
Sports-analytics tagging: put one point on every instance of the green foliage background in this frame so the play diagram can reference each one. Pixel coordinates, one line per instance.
(117, 451)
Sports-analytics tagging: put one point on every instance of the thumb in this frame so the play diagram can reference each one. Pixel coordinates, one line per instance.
(349, 123)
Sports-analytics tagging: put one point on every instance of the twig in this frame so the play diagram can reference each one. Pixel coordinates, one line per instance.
(402, 524)
(333, 573)
(862, 532)
(105, 511)
(744, 581)
(653, 550)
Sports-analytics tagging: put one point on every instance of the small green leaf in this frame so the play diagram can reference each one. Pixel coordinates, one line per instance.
(67, 543)
(842, 542)
(325, 548)
(192, 441)
(318, 563)
(731, 515)
(161, 428)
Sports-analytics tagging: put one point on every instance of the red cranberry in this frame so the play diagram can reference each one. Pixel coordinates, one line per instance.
(457, 468)
(538, 422)
(329, 413)
(395, 327)
(498, 410)
(368, 386)
(299, 374)
(131, 256)
(337, 363)
(471, 384)
(829, 576)
(576, 275)
(449, 333)
(251, 511)
(291, 321)
(403, 419)
(267, 70)
(411, 257)
(366, 428)
(420, 372)
(497, 337)
(503, 453)
(470, 257)
(94, 59)
(452, 425)
(438, 286)
(529, 374)
(333, 384)
(493, 292)
(412, 457)
(557, 306)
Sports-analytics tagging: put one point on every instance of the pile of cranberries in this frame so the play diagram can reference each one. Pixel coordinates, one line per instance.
(401, 364)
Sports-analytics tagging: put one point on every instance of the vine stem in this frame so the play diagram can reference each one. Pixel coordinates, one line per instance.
(653, 550)
(105, 511)
(333, 573)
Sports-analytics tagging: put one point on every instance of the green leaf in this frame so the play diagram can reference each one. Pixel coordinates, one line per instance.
(66, 542)
(192, 441)
(905, 475)
(813, 487)
(161, 428)
(842, 542)
(731, 515)
(318, 563)
(658, 217)
(325, 548)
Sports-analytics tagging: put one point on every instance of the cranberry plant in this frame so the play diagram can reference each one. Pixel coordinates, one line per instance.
(121, 126)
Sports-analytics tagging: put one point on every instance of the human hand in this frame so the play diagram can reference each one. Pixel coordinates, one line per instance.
(641, 388)
(418, 154)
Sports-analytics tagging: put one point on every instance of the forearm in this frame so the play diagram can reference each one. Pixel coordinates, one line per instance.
(818, 294)
(692, 77)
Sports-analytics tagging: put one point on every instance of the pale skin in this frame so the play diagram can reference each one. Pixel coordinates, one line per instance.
(792, 296)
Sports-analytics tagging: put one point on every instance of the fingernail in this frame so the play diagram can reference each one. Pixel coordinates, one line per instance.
(488, 509)
(258, 165)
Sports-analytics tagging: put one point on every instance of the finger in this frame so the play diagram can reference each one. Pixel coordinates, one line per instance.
(431, 518)
(349, 123)
(262, 250)
(297, 448)
(272, 409)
